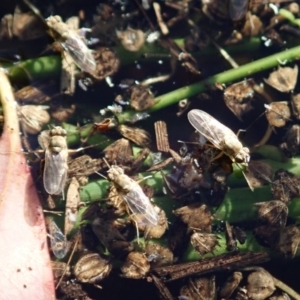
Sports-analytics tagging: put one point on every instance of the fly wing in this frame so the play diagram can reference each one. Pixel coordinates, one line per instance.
(55, 171)
(141, 207)
(58, 241)
(213, 130)
(80, 53)
(44, 139)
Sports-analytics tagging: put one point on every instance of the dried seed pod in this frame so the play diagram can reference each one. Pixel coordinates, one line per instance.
(284, 79)
(131, 39)
(291, 141)
(62, 114)
(260, 285)
(59, 268)
(273, 212)
(158, 255)
(36, 93)
(72, 289)
(238, 97)
(266, 235)
(150, 230)
(259, 173)
(295, 103)
(230, 285)
(106, 232)
(83, 166)
(137, 135)
(199, 288)
(33, 117)
(92, 268)
(204, 242)
(196, 216)
(119, 152)
(136, 266)
(278, 113)
(23, 26)
(107, 63)
(285, 186)
(288, 241)
(141, 98)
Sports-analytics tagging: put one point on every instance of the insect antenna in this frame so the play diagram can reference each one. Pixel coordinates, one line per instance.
(36, 11)
(101, 175)
(106, 162)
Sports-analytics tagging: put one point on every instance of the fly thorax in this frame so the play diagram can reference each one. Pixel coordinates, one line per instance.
(57, 143)
(56, 149)
(232, 146)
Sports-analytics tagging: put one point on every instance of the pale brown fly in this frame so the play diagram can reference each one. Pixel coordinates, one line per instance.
(72, 43)
(138, 203)
(54, 143)
(219, 135)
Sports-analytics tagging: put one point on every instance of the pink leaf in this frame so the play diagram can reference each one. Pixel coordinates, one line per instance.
(24, 258)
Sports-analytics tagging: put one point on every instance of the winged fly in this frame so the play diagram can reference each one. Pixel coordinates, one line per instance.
(54, 143)
(219, 135)
(58, 241)
(138, 203)
(72, 43)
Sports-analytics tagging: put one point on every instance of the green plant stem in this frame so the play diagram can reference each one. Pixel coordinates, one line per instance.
(270, 152)
(237, 206)
(74, 136)
(36, 69)
(221, 78)
(50, 66)
(289, 16)
(292, 165)
(250, 245)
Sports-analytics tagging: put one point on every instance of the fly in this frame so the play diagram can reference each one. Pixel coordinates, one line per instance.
(139, 204)
(219, 135)
(54, 143)
(72, 43)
